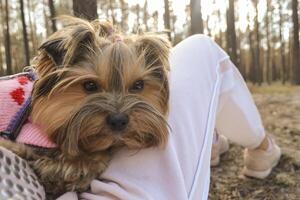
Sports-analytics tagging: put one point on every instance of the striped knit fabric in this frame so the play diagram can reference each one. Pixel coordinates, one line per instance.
(14, 91)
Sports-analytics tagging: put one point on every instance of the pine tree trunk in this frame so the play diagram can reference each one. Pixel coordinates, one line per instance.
(196, 17)
(282, 49)
(268, 56)
(253, 67)
(47, 26)
(25, 36)
(240, 62)
(221, 40)
(32, 28)
(7, 41)
(52, 15)
(112, 11)
(167, 18)
(124, 18)
(85, 9)
(146, 15)
(296, 51)
(155, 20)
(259, 71)
(232, 33)
(138, 15)
(207, 27)
(290, 58)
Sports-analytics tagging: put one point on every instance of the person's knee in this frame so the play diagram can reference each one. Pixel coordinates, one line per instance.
(196, 45)
(200, 38)
(198, 41)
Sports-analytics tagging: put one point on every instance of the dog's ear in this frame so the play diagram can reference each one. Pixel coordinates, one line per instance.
(155, 49)
(55, 50)
(64, 48)
(71, 48)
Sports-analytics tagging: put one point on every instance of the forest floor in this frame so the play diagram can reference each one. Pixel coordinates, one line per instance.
(280, 110)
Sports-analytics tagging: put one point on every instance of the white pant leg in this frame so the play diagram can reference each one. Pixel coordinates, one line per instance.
(238, 118)
(208, 87)
(194, 94)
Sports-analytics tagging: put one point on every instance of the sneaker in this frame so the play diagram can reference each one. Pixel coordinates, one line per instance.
(219, 147)
(259, 163)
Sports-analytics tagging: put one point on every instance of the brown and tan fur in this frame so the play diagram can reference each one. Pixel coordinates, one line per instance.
(75, 119)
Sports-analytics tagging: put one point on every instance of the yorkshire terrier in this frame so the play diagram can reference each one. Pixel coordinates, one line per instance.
(96, 91)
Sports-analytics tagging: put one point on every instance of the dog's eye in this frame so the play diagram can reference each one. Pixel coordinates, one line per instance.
(137, 86)
(90, 86)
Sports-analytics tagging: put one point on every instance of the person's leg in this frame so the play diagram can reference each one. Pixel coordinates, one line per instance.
(198, 64)
(194, 88)
(238, 119)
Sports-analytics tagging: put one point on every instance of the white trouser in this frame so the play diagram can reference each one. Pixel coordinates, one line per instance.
(206, 92)
(237, 117)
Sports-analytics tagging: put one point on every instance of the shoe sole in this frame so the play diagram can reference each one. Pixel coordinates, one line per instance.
(256, 174)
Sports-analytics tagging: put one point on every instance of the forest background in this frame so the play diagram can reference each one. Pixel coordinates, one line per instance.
(261, 36)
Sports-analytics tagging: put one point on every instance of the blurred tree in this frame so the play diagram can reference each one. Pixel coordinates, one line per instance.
(206, 24)
(155, 21)
(146, 15)
(103, 5)
(268, 53)
(296, 50)
(167, 22)
(64, 7)
(124, 17)
(136, 9)
(220, 36)
(52, 14)
(173, 19)
(252, 62)
(284, 71)
(25, 37)
(138, 16)
(290, 56)
(196, 17)
(111, 4)
(232, 47)
(46, 21)
(32, 25)
(265, 50)
(7, 39)
(85, 9)
(259, 69)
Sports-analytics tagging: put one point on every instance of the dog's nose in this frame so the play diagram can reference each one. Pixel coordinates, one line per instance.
(117, 121)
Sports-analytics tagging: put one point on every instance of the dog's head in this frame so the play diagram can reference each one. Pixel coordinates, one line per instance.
(97, 89)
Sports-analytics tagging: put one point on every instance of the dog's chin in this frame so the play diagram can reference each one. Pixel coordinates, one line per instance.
(135, 140)
(127, 139)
